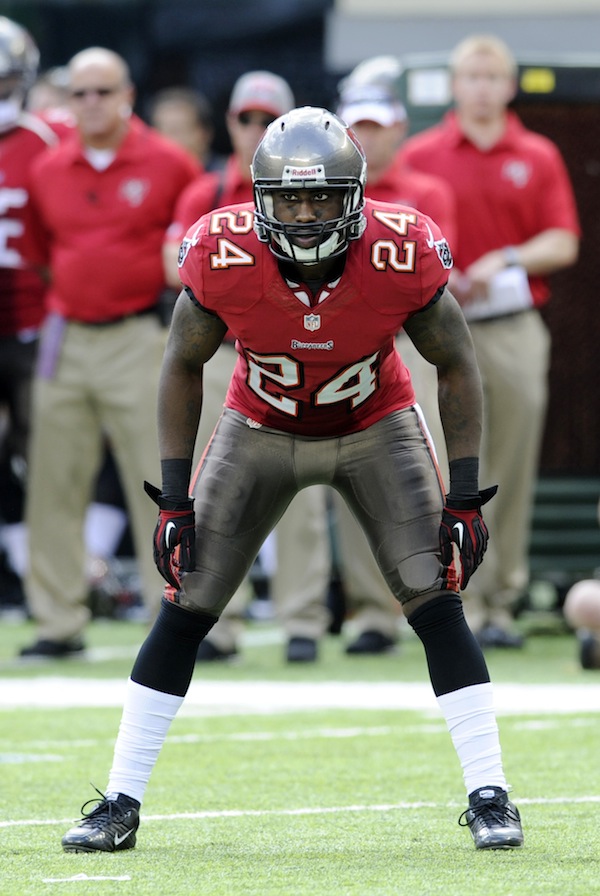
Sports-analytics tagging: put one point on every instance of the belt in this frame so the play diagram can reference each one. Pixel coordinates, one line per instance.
(111, 321)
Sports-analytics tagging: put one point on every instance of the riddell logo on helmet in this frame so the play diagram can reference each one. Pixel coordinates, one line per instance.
(312, 172)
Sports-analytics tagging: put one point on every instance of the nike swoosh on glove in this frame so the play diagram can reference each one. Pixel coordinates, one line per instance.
(463, 525)
(175, 528)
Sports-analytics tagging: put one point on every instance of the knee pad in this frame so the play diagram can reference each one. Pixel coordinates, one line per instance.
(167, 656)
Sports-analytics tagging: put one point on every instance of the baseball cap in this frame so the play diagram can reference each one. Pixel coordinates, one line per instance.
(370, 104)
(263, 91)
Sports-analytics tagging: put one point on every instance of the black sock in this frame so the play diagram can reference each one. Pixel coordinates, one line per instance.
(454, 657)
(167, 657)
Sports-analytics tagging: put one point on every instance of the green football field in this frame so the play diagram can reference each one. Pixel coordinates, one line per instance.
(335, 779)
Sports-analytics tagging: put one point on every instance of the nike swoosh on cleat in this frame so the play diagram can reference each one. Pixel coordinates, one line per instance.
(119, 838)
(460, 528)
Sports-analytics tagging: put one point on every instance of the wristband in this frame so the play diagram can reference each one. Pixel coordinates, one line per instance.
(176, 473)
(464, 477)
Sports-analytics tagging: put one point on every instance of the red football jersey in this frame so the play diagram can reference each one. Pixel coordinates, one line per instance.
(22, 289)
(322, 366)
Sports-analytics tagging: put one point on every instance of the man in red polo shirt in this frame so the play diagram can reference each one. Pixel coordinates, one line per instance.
(105, 197)
(517, 223)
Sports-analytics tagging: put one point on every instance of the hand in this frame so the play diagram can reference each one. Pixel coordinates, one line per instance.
(175, 527)
(463, 525)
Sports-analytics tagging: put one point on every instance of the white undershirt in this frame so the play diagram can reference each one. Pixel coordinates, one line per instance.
(99, 159)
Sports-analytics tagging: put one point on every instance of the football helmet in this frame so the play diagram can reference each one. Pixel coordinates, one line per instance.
(19, 60)
(309, 149)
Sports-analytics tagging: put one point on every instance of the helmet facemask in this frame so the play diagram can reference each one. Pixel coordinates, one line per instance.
(309, 149)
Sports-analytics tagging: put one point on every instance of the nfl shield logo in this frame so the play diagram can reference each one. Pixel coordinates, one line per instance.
(312, 322)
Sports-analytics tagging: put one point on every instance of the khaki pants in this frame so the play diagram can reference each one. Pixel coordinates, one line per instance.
(105, 382)
(513, 354)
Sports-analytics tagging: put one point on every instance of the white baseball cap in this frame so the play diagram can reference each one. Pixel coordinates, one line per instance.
(262, 91)
(370, 104)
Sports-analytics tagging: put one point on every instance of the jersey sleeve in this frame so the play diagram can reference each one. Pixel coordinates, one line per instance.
(189, 262)
(435, 258)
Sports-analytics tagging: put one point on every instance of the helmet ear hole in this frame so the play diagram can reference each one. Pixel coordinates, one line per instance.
(309, 148)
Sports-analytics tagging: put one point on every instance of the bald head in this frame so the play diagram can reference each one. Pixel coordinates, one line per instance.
(101, 95)
(101, 59)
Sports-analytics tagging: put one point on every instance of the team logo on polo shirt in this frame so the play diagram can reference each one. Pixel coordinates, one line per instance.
(518, 172)
(134, 191)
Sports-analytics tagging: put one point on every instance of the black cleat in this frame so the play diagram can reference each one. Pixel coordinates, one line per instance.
(301, 650)
(589, 650)
(494, 821)
(110, 827)
(494, 636)
(371, 642)
(209, 653)
(52, 650)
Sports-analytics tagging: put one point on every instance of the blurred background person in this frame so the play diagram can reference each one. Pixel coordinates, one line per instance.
(517, 223)
(370, 102)
(23, 137)
(185, 115)
(49, 91)
(104, 197)
(581, 609)
(303, 558)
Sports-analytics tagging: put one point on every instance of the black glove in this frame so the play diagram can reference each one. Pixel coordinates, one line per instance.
(175, 527)
(462, 524)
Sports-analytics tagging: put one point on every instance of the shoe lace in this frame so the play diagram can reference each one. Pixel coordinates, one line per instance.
(489, 812)
(104, 806)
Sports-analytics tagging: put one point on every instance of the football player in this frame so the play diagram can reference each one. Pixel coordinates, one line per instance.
(22, 138)
(314, 282)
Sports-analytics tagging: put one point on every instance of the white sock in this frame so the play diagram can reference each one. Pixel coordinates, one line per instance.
(471, 720)
(147, 716)
(14, 540)
(104, 528)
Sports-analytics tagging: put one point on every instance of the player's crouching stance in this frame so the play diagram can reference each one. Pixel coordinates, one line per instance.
(315, 283)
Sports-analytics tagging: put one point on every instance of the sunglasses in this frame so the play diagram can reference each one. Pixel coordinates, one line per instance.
(102, 92)
(248, 118)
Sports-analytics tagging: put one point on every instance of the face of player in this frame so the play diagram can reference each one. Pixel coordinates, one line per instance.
(101, 101)
(307, 207)
(482, 86)
(245, 132)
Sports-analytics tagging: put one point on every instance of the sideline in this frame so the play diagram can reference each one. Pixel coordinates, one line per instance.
(264, 697)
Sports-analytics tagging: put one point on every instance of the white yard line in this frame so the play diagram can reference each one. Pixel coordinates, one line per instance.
(312, 810)
(235, 697)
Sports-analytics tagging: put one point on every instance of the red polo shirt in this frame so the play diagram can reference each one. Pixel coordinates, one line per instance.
(505, 195)
(209, 191)
(405, 186)
(104, 229)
